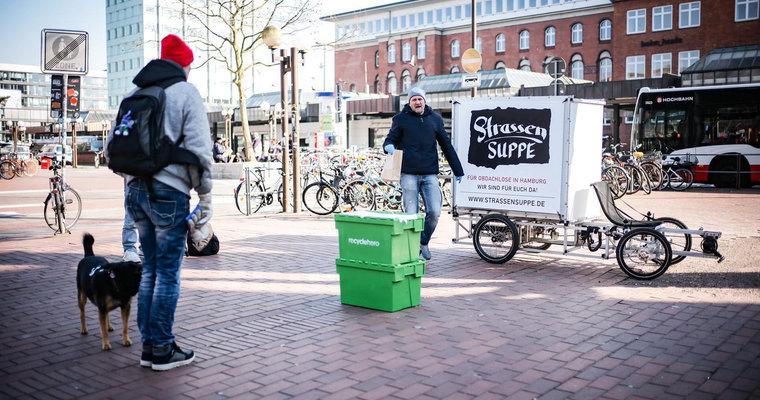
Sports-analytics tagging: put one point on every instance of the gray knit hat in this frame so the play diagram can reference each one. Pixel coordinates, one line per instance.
(415, 92)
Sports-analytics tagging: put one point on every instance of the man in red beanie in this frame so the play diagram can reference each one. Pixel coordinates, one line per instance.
(162, 218)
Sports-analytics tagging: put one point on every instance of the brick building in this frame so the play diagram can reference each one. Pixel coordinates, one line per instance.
(386, 49)
(653, 37)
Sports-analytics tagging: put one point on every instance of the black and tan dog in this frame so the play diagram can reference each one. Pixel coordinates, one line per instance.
(107, 285)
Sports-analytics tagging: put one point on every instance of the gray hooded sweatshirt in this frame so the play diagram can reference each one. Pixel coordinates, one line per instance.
(183, 107)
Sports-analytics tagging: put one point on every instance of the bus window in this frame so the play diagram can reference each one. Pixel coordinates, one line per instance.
(663, 130)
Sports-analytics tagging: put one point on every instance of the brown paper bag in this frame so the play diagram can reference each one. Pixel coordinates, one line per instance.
(392, 168)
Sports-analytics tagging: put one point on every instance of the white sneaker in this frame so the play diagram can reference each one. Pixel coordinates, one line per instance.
(131, 256)
(425, 252)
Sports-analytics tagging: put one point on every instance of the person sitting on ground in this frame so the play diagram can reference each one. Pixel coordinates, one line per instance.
(218, 151)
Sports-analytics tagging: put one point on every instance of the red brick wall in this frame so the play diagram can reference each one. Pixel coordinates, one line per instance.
(717, 29)
(350, 68)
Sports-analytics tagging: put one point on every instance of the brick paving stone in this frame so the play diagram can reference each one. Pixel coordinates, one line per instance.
(265, 319)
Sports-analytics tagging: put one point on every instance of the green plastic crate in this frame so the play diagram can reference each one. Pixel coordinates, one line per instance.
(379, 237)
(378, 286)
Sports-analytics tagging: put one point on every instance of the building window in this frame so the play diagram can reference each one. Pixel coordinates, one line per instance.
(689, 15)
(501, 43)
(686, 59)
(746, 10)
(378, 89)
(550, 36)
(420, 73)
(605, 67)
(392, 83)
(577, 34)
(455, 49)
(406, 80)
(391, 53)
(524, 65)
(500, 65)
(377, 59)
(421, 48)
(352, 88)
(411, 20)
(406, 52)
(634, 67)
(524, 40)
(605, 30)
(576, 66)
(479, 45)
(636, 21)
(662, 18)
(661, 64)
(454, 69)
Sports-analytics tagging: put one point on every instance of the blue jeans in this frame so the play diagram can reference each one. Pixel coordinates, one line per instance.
(427, 185)
(163, 230)
(129, 229)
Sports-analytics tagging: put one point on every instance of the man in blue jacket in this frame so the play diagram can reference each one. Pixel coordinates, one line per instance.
(415, 130)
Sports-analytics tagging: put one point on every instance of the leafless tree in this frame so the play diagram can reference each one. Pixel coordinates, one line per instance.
(231, 29)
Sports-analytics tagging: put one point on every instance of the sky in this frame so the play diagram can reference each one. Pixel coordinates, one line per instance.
(22, 21)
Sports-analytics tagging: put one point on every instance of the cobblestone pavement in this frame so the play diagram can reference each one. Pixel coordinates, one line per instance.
(265, 319)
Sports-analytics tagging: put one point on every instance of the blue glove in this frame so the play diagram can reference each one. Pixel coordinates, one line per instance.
(459, 179)
(389, 148)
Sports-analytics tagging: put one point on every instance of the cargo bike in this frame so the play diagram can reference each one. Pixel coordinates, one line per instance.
(532, 181)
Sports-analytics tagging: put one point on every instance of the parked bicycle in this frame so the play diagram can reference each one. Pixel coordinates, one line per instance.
(63, 205)
(13, 166)
(677, 175)
(323, 196)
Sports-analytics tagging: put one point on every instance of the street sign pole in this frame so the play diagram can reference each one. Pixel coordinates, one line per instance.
(474, 91)
(64, 117)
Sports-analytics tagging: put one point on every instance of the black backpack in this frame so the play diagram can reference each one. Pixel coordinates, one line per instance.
(139, 146)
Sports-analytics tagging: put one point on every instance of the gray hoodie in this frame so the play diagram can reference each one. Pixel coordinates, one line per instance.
(183, 106)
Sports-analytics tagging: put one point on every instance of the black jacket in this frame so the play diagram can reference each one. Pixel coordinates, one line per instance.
(416, 135)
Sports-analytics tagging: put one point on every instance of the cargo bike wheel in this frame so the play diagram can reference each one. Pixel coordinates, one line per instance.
(643, 253)
(495, 238)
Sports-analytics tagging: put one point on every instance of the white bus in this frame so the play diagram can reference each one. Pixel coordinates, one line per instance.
(713, 127)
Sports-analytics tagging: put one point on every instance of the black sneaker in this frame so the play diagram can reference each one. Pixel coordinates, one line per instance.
(146, 359)
(173, 359)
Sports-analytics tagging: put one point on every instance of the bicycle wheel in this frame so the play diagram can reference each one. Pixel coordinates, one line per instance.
(617, 179)
(643, 253)
(320, 198)
(7, 170)
(678, 241)
(681, 179)
(359, 195)
(71, 209)
(256, 196)
(495, 238)
(654, 172)
(446, 192)
(31, 167)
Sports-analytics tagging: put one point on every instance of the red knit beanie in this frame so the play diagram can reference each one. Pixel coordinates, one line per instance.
(173, 48)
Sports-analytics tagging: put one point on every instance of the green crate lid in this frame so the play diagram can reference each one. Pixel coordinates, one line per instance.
(416, 267)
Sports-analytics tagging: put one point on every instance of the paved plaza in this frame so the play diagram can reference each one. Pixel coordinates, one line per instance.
(265, 319)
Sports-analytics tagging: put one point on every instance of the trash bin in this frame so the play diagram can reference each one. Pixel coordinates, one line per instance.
(44, 163)
(380, 286)
(379, 237)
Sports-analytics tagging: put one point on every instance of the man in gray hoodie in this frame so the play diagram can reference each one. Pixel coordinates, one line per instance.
(162, 218)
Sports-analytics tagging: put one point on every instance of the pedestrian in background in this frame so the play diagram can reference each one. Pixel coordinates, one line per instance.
(416, 130)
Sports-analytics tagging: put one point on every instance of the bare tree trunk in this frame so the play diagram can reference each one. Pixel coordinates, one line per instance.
(247, 143)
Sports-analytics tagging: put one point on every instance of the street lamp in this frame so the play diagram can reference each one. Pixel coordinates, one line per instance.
(272, 37)
(227, 113)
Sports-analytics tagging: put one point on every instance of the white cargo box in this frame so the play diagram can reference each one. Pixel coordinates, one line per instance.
(529, 156)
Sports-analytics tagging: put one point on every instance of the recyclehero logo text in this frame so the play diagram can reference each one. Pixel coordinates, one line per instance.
(509, 136)
(364, 242)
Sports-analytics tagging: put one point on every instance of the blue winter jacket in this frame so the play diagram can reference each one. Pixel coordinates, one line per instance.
(417, 134)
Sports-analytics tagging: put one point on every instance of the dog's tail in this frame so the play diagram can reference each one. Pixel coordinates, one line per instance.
(88, 241)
